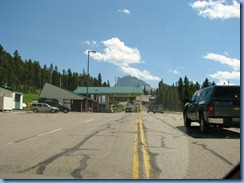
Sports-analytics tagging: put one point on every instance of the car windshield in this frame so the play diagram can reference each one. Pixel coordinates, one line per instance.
(120, 89)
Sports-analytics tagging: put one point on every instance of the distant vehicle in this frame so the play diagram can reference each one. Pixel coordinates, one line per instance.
(128, 109)
(55, 103)
(156, 109)
(150, 108)
(43, 107)
(214, 105)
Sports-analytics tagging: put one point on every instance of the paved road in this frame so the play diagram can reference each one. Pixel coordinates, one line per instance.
(113, 146)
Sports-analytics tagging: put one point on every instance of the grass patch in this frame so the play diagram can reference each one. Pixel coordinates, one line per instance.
(29, 97)
(118, 108)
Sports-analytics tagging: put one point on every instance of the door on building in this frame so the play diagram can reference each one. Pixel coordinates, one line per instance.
(17, 101)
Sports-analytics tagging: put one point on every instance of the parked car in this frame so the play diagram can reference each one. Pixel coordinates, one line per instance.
(43, 107)
(214, 105)
(128, 109)
(55, 103)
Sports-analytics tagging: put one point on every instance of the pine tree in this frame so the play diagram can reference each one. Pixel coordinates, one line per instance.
(206, 83)
(99, 79)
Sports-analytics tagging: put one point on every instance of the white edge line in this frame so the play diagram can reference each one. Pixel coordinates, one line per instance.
(88, 120)
(50, 132)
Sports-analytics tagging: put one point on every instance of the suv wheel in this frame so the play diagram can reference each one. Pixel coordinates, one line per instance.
(52, 111)
(35, 110)
(65, 110)
(203, 124)
(187, 122)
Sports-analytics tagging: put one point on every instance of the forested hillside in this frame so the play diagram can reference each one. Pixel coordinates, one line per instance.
(29, 75)
(172, 97)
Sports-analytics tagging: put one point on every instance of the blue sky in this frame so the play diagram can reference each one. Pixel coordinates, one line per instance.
(151, 40)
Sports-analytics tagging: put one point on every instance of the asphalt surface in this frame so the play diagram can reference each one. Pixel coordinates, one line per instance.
(112, 146)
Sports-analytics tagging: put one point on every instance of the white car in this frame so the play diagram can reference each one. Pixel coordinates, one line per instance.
(43, 107)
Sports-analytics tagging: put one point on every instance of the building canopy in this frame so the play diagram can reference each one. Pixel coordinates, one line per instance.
(112, 91)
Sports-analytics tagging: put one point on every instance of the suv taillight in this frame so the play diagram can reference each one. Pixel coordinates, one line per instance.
(210, 108)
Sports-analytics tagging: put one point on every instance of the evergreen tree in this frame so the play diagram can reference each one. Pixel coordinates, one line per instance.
(4, 57)
(206, 83)
(37, 74)
(45, 76)
(69, 80)
(56, 77)
(145, 91)
(186, 89)
(51, 73)
(180, 89)
(99, 80)
(64, 79)
(108, 83)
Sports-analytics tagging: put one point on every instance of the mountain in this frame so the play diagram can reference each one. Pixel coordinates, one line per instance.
(133, 81)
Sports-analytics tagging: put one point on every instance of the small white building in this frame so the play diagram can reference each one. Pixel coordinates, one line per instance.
(10, 98)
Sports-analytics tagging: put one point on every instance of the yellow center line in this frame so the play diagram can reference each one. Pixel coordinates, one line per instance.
(135, 168)
(146, 157)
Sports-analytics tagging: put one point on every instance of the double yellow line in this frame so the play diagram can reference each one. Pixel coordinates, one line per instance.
(147, 164)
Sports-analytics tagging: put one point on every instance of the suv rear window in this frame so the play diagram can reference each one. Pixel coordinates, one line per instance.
(227, 92)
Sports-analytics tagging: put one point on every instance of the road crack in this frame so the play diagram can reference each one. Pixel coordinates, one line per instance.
(42, 165)
(83, 164)
(204, 146)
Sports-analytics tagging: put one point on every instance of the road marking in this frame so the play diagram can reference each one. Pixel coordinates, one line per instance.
(17, 141)
(89, 120)
(135, 166)
(10, 143)
(146, 156)
(49, 132)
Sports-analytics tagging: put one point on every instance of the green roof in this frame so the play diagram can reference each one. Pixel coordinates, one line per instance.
(116, 90)
(11, 89)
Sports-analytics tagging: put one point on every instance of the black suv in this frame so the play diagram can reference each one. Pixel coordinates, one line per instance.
(55, 103)
(216, 105)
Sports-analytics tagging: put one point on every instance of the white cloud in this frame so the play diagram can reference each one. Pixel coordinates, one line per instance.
(125, 11)
(175, 71)
(139, 74)
(224, 76)
(232, 62)
(91, 43)
(218, 9)
(117, 53)
(224, 82)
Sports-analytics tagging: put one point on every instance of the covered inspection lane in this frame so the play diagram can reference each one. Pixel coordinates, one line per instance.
(102, 96)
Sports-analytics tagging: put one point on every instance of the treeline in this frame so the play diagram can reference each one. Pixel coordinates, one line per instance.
(28, 75)
(173, 97)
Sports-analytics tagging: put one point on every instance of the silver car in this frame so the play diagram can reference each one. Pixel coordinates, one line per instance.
(43, 107)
